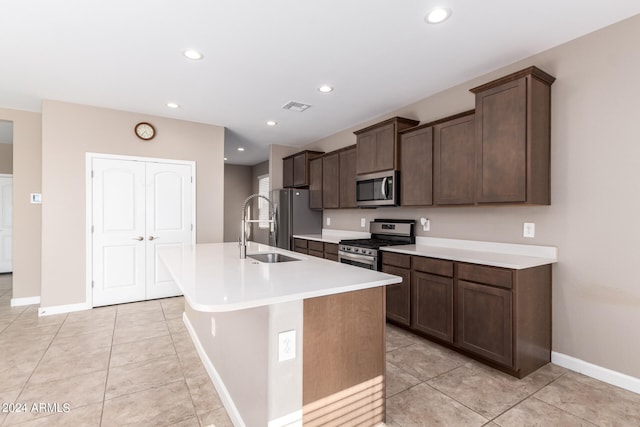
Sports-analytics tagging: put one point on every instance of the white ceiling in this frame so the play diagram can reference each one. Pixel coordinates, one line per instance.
(379, 55)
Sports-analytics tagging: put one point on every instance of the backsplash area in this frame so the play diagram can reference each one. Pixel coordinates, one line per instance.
(496, 224)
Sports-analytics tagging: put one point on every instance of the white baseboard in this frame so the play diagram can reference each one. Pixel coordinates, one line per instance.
(231, 408)
(618, 379)
(17, 302)
(60, 309)
(293, 419)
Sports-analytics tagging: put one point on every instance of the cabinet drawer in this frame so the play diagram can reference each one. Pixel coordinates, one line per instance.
(316, 253)
(330, 249)
(316, 246)
(397, 260)
(331, 257)
(494, 276)
(300, 243)
(433, 266)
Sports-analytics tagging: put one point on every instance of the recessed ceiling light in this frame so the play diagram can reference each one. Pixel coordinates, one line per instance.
(271, 123)
(437, 15)
(172, 105)
(325, 89)
(193, 54)
(240, 149)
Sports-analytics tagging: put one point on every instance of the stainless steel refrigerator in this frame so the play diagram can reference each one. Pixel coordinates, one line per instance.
(293, 216)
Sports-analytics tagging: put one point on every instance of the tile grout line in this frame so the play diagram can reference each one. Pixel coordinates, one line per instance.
(173, 343)
(106, 381)
(24, 386)
(561, 409)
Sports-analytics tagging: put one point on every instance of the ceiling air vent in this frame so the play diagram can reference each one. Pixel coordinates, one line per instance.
(296, 106)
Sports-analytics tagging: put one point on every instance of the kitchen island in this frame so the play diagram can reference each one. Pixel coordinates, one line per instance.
(285, 343)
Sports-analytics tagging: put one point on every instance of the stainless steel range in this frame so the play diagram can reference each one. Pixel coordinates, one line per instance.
(384, 232)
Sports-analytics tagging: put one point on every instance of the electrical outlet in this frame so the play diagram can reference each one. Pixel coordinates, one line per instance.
(426, 224)
(363, 222)
(529, 229)
(286, 345)
(328, 221)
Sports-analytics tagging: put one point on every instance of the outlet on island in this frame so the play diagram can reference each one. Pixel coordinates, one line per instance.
(286, 345)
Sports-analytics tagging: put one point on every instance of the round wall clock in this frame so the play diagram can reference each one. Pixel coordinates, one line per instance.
(145, 131)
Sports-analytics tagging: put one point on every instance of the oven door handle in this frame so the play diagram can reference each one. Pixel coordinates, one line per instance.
(361, 258)
(384, 187)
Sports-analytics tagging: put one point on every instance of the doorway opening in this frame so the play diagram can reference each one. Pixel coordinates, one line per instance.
(6, 197)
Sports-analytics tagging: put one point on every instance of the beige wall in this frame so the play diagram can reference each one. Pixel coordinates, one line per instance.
(27, 174)
(593, 219)
(238, 185)
(6, 158)
(68, 132)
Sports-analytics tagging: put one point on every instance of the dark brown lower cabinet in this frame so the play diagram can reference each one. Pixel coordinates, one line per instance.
(316, 248)
(484, 321)
(331, 251)
(432, 305)
(399, 296)
(498, 315)
(300, 245)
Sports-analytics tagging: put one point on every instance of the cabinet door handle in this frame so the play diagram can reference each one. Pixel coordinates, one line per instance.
(153, 237)
(139, 238)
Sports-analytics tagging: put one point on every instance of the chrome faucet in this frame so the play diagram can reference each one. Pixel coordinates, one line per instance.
(245, 220)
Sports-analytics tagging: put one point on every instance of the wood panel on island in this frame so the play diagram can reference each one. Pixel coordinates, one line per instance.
(497, 315)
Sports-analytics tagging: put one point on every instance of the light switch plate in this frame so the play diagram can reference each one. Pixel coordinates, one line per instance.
(286, 345)
(36, 198)
(529, 229)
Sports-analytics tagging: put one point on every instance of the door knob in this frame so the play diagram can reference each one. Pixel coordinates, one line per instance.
(139, 238)
(153, 237)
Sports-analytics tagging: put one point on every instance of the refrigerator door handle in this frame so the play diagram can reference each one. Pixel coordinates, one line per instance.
(275, 226)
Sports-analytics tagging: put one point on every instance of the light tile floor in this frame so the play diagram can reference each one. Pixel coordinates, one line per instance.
(134, 364)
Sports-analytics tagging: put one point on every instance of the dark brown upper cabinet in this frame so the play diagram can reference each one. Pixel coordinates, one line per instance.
(348, 177)
(454, 161)
(287, 172)
(295, 169)
(512, 125)
(331, 181)
(377, 145)
(315, 183)
(416, 166)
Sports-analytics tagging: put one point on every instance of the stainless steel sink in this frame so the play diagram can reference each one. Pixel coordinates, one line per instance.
(271, 257)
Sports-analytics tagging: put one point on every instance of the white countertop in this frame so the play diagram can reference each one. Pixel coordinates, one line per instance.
(334, 236)
(505, 255)
(213, 278)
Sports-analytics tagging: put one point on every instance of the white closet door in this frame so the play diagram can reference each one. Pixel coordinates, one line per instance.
(169, 221)
(6, 224)
(119, 236)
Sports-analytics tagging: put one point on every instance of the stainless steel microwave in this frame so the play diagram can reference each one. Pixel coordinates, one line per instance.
(377, 189)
